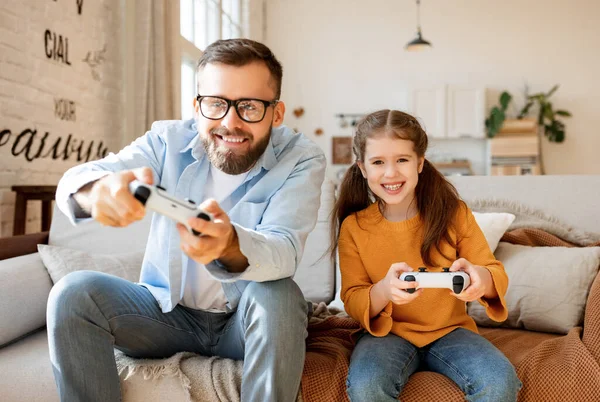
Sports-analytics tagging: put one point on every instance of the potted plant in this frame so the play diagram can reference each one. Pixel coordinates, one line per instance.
(547, 119)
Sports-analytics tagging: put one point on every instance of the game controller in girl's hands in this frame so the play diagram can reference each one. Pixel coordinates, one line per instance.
(157, 199)
(455, 281)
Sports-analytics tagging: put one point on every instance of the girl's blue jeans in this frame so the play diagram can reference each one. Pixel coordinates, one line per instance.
(380, 367)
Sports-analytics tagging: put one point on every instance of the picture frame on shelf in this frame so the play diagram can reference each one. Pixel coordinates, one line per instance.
(341, 150)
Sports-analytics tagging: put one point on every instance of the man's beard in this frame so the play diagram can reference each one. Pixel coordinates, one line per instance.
(228, 161)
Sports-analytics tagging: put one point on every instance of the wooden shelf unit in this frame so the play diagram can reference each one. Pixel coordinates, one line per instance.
(515, 149)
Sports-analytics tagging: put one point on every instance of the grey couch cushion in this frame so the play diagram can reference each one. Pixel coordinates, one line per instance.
(92, 237)
(60, 261)
(24, 289)
(547, 289)
(26, 371)
(315, 274)
(572, 199)
(27, 376)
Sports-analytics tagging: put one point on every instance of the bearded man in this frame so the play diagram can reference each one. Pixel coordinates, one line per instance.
(226, 293)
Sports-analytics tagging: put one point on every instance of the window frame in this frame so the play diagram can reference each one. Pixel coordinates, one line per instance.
(190, 52)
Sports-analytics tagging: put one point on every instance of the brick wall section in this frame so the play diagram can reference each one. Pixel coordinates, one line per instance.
(30, 83)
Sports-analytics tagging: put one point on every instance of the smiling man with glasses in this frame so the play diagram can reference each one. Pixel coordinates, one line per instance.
(228, 293)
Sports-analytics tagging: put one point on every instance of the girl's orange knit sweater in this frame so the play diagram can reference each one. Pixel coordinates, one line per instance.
(369, 244)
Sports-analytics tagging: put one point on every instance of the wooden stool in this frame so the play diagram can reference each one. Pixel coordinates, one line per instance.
(25, 193)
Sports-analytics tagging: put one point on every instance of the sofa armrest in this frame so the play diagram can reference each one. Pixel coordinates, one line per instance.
(21, 245)
(591, 322)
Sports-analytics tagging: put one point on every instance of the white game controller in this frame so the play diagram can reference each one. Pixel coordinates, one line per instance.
(455, 281)
(157, 199)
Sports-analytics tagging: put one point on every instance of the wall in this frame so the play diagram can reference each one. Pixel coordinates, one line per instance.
(60, 99)
(347, 56)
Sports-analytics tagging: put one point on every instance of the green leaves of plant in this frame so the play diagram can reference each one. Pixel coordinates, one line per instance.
(547, 117)
(497, 115)
(505, 99)
(554, 129)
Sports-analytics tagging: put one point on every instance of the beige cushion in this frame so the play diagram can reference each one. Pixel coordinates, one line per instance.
(493, 225)
(60, 261)
(548, 287)
(24, 289)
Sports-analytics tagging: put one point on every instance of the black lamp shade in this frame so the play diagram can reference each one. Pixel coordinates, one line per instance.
(417, 44)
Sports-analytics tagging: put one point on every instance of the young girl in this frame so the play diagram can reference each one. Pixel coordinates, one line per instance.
(398, 213)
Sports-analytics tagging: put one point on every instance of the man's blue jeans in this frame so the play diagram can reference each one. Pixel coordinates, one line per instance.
(380, 367)
(90, 313)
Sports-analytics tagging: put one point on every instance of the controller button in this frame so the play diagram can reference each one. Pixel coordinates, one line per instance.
(162, 188)
(204, 216)
(457, 284)
(142, 194)
(190, 201)
(422, 269)
(410, 278)
(446, 269)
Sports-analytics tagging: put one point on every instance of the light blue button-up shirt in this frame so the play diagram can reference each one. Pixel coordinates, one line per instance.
(272, 211)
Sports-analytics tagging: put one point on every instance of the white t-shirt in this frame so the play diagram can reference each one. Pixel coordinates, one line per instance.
(202, 291)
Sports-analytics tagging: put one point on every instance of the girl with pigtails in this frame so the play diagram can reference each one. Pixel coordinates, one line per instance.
(395, 213)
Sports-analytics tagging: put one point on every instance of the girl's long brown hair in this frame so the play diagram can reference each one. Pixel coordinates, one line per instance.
(437, 199)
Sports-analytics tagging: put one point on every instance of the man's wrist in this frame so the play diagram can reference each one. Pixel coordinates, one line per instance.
(232, 257)
(82, 198)
(233, 245)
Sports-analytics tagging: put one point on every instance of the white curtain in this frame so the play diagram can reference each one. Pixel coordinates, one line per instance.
(154, 57)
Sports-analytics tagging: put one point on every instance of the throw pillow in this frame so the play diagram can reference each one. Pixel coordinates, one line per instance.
(547, 289)
(60, 261)
(493, 225)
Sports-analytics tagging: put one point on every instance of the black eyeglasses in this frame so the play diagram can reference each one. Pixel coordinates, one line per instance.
(249, 110)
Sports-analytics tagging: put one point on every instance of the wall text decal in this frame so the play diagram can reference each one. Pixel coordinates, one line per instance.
(28, 145)
(57, 47)
(64, 109)
(79, 5)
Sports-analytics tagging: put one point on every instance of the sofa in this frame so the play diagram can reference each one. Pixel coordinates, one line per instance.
(556, 361)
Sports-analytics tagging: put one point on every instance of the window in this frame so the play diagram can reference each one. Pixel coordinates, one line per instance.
(201, 23)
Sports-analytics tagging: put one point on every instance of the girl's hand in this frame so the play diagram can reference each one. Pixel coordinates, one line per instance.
(394, 289)
(481, 285)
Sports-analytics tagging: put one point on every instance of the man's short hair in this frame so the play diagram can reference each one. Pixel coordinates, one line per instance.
(240, 52)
